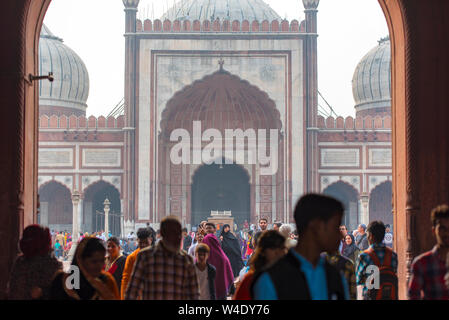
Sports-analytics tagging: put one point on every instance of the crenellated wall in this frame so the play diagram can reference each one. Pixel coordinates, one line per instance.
(358, 123)
(81, 122)
(358, 129)
(220, 26)
(354, 162)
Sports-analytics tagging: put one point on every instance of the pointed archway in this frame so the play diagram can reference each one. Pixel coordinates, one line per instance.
(222, 102)
(221, 188)
(350, 198)
(380, 203)
(56, 210)
(94, 197)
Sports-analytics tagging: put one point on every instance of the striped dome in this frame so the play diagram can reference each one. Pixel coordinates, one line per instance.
(222, 9)
(70, 88)
(371, 83)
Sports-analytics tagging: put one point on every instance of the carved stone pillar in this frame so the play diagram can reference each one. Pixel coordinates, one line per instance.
(75, 220)
(364, 206)
(129, 191)
(44, 214)
(107, 207)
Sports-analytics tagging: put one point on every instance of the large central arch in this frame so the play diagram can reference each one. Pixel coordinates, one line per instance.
(219, 101)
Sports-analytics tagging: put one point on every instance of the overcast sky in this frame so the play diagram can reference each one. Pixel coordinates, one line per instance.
(94, 29)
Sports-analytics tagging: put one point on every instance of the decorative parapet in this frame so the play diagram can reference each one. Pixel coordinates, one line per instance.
(265, 26)
(358, 123)
(74, 122)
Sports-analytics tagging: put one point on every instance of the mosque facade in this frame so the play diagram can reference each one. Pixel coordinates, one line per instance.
(220, 114)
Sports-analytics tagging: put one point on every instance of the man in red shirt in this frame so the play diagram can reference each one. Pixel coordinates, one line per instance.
(428, 269)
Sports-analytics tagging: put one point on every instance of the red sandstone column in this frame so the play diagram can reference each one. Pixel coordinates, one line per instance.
(18, 124)
(311, 93)
(130, 192)
(420, 132)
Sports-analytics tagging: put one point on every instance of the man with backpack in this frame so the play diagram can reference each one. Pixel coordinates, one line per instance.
(376, 267)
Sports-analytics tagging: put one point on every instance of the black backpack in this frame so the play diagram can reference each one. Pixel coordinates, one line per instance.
(388, 282)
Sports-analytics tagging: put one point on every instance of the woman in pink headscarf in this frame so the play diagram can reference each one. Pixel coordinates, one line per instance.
(224, 280)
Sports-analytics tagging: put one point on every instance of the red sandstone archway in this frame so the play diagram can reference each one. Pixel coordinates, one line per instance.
(349, 196)
(56, 210)
(219, 101)
(94, 197)
(380, 207)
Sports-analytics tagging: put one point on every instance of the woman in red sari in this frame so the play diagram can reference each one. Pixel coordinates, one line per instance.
(115, 261)
(270, 248)
(92, 282)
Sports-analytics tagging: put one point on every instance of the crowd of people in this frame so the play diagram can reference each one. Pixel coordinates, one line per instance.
(319, 260)
(61, 241)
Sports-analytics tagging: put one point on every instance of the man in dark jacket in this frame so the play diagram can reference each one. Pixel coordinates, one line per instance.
(305, 274)
(187, 240)
(361, 241)
(205, 272)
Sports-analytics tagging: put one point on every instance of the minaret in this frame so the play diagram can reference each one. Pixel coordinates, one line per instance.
(311, 93)
(129, 194)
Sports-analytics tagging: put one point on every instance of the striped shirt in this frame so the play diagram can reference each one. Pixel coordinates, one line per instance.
(161, 274)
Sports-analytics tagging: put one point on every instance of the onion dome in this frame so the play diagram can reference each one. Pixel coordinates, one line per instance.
(371, 83)
(68, 93)
(224, 10)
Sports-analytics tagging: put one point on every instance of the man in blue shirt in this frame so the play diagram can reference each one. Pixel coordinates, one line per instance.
(304, 274)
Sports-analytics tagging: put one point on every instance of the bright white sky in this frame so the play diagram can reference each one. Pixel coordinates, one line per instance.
(94, 29)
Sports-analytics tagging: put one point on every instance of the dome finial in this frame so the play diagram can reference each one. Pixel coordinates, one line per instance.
(223, 9)
(311, 4)
(46, 33)
(384, 39)
(131, 3)
(221, 63)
